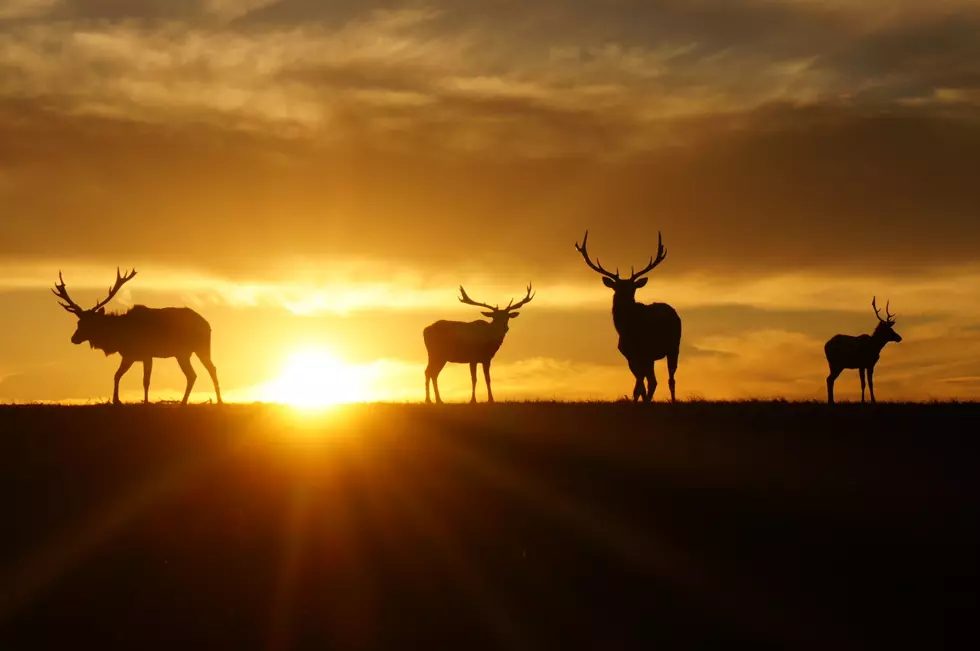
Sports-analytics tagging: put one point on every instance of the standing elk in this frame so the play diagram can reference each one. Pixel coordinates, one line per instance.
(141, 334)
(473, 342)
(646, 332)
(861, 352)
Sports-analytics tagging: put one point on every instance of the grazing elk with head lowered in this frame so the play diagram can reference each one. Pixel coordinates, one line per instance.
(141, 334)
(861, 352)
(473, 342)
(646, 332)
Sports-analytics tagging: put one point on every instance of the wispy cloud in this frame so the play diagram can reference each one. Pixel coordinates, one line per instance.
(231, 9)
(409, 72)
(24, 9)
(370, 286)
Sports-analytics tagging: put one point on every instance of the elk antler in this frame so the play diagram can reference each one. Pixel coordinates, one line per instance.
(524, 301)
(596, 266)
(120, 281)
(661, 255)
(889, 318)
(469, 301)
(62, 293)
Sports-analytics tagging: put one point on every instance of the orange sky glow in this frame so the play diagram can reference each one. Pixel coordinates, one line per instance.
(317, 179)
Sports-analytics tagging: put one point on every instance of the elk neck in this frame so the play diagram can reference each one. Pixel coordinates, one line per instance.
(110, 333)
(497, 328)
(878, 339)
(624, 310)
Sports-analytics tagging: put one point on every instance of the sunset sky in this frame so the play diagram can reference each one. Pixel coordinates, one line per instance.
(318, 178)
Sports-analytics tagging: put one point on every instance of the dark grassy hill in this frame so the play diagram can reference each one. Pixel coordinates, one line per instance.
(512, 526)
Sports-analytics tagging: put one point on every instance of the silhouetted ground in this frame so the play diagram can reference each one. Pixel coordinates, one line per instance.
(514, 526)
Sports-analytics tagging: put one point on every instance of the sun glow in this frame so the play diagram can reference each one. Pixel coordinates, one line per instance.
(316, 378)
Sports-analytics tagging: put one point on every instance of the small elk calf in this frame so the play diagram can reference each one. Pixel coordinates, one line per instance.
(141, 334)
(474, 342)
(861, 352)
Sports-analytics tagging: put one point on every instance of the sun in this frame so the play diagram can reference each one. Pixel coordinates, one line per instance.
(313, 378)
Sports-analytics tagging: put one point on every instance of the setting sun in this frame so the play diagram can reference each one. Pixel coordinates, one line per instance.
(315, 378)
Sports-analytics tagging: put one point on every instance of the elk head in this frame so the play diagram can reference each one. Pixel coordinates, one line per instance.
(886, 327)
(89, 321)
(624, 288)
(499, 317)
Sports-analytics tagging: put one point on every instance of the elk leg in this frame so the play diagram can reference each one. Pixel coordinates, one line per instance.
(124, 366)
(834, 374)
(185, 366)
(638, 389)
(671, 369)
(432, 373)
(435, 388)
(861, 373)
(213, 372)
(486, 378)
(871, 383)
(651, 384)
(147, 370)
(472, 382)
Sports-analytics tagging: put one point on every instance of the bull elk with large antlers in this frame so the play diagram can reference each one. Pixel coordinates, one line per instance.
(141, 334)
(646, 332)
(474, 342)
(861, 352)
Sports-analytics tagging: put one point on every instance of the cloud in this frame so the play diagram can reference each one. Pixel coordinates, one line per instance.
(382, 73)
(967, 381)
(877, 196)
(835, 126)
(351, 287)
(27, 9)
(235, 9)
(450, 79)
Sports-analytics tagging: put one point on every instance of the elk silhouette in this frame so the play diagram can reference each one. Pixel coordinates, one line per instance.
(141, 334)
(861, 352)
(473, 342)
(646, 332)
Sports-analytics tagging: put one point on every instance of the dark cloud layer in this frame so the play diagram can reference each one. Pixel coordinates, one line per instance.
(810, 189)
(759, 136)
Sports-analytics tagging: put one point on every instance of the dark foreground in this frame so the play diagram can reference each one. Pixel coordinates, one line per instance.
(508, 526)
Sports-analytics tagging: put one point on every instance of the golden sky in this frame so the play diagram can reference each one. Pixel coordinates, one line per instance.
(322, 176)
